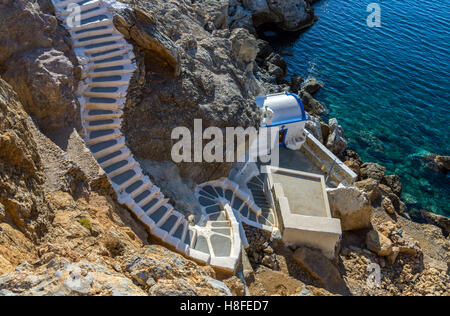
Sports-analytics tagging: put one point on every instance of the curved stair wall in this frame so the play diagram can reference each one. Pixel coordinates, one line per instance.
(108, 63)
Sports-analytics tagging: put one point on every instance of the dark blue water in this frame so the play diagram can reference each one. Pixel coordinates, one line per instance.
(389, 87)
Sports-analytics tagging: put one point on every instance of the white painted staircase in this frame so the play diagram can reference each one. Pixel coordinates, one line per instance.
(109, 63)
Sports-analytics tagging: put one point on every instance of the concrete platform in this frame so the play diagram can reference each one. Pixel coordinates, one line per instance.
(302, 208)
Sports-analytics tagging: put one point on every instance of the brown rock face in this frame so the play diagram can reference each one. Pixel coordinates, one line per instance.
(21, 178)
(36, 60)
(187, 73)
(370, 186)
(393, 181)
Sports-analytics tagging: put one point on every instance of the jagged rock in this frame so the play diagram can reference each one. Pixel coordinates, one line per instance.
(296, 83)
(439, 163)
(312, 86)
(388, 206)
(409, 246)
(325, 130)
(214, 11)
(354, 166)
(59, 277)
(393, 181)
(275, 72)
(442, 163)
(21, 177)
(314, 127)
(289, 15)
(437, 220)
(239, 17)
(394, 255)
(370, 186)
(278, 61)
(39, 64)
(373, 170)
(352, 206)
(336, 142)
(244, 46)
(312, 105)
(378, 243)
(352, 155)
(264, 49)
(318, 266)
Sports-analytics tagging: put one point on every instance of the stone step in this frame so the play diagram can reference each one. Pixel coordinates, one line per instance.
(112, 71)
(170, 225)
(105, 148)
(103, 125)
(98, 57)
(62, 5)
(94, 31)
(96, 115)
(114, 157)
(106, 92)
(154, 204)
(135, 189)
(99, 136)
(89, 26)
(121, 181)
(104, 46)
(110, 62)
(103, 104)
(110, 81)
(120, 167)
(145, 197)
(98, 39)
(83, 8)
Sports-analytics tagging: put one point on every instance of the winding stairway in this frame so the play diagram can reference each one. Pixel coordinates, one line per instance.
(108, 61)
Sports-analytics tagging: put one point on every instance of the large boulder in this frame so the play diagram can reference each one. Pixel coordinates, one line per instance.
(373, 171)
(378, 243)
(437, 220)
(289, 15)
(370, 186)
(39, 64)
(439, 163)
(352, 206)
(393, 181)
(296, 83)
(319, 267)
(314, 127)
(336, 141)
(312, 86)
(312, 105)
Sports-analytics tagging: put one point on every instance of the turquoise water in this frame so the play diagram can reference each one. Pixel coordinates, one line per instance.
(389, 87)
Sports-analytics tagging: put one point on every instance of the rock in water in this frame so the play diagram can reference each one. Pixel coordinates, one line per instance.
(393, 181)
(312, 105)
(289, 15)
(351, 206)
(312, 86)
